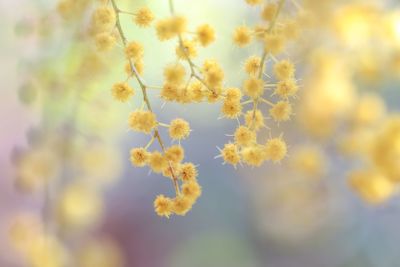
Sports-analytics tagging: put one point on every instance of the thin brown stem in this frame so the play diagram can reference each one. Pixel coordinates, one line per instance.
(143, 87)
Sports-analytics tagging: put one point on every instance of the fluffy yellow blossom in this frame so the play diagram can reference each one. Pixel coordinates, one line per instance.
(281, 111)
(122, 92)
(170, 92)
(253, 87)
(254, 120)
(372, 186)
(253, 155)
(275, 149)
(230, 154)
(196, 89)
(134, 50)
(142, 121)
(274, 43)
(253, 2)
(242, 36)
(213, 73)
(175, 153)
(233, 94)
(369, 110)
(179, 129)
(205, 34)
(231, 109)
(170, 27)
(286, 89)
(143, 17)
(138, 64)
(163, 206)
(139, 156)
(157, 162)
(105, 41)
(191, 190)
(186, 50)
(174, 73)
(284, 70)
(252, 65)
(188, 172)
(103, 19)
(181, 205)
(244, 136)
(269, 11)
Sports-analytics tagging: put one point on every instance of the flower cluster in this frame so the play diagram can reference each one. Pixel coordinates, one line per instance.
(259, 89)
(202, 83)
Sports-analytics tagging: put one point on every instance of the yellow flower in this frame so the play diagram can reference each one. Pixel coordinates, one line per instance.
(253, 87)
(205, 34)
(281, 111)
(142, 121)
(275, 149)
(103, 19)
(231, 109)
(181, 205)
(188, 172)
(186, 50)
(230, 154)
(244, 136)
(174, 73)
(143, 17)
(233, 94)
(134, 50)
(372, 186)
(284, 70)
(253, 2)
(191, 190)
(105, 41)
(274, 43)
(179, 129)
(269, 11)
(242, 36)
(163, 206)
(122, 92)
(252, 65)
(286, 89)
(254, 120)
(253, 155)
(139, 157)
(157, 162)
(175, 153)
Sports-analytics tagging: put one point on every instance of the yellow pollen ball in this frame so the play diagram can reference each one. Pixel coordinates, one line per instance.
(205, 34)
(287, 88)
(281, 111)
(242, 36)
(230, 154)
(143, 17)
(139, 157)
(275, 149)
(254, 120)
(188, 172)
(253, 155)
(191, 190)
(134, 50)
(142, 121)
(122, 92)
(252, 65)
(163, 206)
(253, 87)
(179, 129)
(284, 70)
(244, 136)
